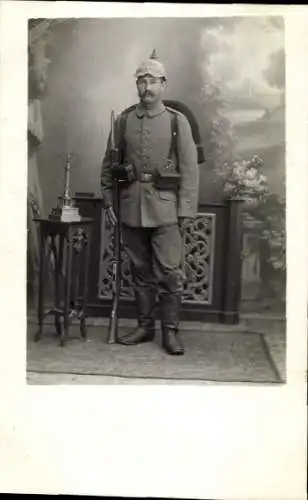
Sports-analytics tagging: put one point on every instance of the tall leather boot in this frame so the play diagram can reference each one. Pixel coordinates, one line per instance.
(170, 311)
(145, 331)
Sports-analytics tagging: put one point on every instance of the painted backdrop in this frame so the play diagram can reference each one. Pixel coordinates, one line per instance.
(229, 71)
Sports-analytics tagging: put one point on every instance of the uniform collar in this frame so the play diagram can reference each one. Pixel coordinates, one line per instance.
(156, 110)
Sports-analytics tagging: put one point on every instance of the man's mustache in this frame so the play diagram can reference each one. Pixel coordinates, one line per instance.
(147, 93)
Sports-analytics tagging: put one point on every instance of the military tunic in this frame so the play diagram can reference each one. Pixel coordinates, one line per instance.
(148, 136)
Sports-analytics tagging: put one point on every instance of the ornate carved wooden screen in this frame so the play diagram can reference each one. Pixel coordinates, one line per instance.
(199, 251)
(212, 264)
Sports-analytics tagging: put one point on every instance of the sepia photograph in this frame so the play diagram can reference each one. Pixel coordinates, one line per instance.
(156, 201)
(153, 283)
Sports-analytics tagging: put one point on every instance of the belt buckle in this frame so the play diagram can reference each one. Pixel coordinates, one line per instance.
(146, 176)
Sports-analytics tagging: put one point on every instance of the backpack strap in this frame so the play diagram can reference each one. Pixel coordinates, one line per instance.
(173, 150)
(122, 130)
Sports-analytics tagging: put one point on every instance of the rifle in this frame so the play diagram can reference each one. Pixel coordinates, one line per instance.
(116, 264)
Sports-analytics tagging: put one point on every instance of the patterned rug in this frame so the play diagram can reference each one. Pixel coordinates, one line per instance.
(226, 356)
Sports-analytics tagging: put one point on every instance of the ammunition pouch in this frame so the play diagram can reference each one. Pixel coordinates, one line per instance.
(123, 172)
(167, 178)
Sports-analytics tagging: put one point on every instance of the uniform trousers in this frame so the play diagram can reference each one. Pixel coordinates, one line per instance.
(156, 256)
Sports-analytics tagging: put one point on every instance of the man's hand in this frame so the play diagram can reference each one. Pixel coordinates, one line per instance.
(111, 216)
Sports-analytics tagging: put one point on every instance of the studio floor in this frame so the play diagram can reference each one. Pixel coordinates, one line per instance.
(253, 352)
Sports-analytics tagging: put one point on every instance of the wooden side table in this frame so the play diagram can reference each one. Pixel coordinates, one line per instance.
(69, 243)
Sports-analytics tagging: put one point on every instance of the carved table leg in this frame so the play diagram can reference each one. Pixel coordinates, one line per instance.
(77, 247)
(65, 332)
(41, 298)
(86, 249)
(57, 271)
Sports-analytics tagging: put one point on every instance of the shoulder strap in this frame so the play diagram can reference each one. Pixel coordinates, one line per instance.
(122, 130)
(184, 110)
(174, 136)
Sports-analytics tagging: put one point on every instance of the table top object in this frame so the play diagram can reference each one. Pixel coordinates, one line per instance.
(66, 211)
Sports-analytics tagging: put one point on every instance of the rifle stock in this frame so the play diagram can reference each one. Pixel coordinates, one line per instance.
(116, 266)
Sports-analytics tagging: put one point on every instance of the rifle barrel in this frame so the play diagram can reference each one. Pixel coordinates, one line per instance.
(114, 316)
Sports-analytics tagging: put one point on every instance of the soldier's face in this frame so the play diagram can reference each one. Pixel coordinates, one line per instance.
(150, 88)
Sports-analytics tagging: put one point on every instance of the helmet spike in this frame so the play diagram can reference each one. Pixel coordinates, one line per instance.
(153, 55)
(151, 66)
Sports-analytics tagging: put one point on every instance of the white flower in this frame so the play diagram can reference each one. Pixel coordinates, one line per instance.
(251, 173)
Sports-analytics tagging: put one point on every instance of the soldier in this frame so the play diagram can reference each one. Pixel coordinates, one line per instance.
(153, 216)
